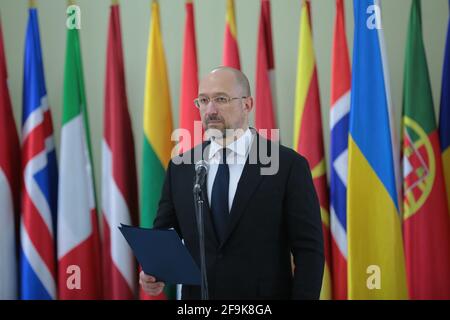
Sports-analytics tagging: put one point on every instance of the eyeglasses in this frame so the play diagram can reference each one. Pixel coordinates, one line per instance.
(217, 100)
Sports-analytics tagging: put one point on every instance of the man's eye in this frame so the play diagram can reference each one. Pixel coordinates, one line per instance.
(221, 99)
(203, 101)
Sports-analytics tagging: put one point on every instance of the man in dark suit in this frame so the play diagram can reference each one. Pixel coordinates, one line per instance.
(261, 206)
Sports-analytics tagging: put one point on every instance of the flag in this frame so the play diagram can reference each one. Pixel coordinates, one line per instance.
(157, 127)
(9, 186)
(230, 45)
(78, 234)
(426, 224)
(339, 116)
(376, 266)
(119, 181)
(189, 114)
(308, 138)
(265, 117)
(444, 115)
(40, 176)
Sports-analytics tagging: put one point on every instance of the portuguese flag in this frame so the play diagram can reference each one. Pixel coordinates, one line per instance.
(426, 220)
(157, 126)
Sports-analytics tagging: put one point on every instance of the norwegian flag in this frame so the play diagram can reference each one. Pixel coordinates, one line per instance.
(40, 176)
(339, 122)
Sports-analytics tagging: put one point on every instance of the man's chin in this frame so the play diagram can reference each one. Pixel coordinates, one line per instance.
(216, 126)
(216, 130)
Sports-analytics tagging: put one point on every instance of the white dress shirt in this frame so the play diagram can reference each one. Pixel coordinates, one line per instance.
(236, 157)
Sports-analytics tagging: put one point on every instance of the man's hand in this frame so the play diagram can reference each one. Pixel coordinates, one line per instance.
(149, 284)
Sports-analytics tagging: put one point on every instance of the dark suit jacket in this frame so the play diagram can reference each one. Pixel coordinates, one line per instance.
(271, 216)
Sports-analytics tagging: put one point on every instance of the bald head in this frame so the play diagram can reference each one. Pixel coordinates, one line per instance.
(229, 91)
(239, 77)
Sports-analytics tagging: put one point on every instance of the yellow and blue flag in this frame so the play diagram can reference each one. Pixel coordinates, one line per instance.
(376, 266)
(444, 116)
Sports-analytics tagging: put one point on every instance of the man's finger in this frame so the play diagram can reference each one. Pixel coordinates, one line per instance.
(147, 278)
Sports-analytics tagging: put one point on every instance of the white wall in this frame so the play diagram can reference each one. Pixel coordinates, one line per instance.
(210, 21)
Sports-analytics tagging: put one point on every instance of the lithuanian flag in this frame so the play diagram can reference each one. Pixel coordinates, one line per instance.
(157, 145)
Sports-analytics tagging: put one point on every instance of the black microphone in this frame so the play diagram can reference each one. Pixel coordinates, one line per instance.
(201, 170)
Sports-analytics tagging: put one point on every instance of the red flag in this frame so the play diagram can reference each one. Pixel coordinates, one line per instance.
(9, 186)
(339, 118)
(308, 139)
(230, 46)
(265, 74)
(119, 182)
(189, 83)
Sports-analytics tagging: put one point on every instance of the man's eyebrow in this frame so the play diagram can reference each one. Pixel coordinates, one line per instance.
(214, 94)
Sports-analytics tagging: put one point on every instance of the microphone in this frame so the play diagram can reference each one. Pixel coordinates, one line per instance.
(201, 170)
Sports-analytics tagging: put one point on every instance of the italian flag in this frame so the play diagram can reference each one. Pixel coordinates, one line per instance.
(426, 222)
(157, 129)
(78, 234)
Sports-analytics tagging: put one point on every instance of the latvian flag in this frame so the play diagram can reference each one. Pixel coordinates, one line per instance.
(119, 181)
(9, 186)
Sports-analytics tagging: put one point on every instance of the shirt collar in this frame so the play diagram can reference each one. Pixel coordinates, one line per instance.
(240, 147)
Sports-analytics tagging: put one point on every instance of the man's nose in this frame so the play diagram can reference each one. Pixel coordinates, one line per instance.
(211, 108)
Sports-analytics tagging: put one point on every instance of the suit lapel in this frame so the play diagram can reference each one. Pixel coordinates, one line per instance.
(250, 179)
(207, 218)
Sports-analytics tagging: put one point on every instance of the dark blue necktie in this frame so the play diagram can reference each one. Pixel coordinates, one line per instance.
(219, 197)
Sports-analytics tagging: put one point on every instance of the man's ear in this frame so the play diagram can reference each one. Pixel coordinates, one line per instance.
(249, 103)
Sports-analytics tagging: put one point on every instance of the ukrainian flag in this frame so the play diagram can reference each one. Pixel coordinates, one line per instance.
(444, 114)
(376, 267)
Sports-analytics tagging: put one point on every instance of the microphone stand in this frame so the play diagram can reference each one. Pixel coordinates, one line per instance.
(198, 202)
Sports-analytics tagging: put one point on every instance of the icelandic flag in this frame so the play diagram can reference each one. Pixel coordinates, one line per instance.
(39, 189)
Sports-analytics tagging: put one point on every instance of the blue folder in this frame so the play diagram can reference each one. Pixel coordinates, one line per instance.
(162, 255)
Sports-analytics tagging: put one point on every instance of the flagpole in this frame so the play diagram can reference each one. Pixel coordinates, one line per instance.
(114, 2)
(32, 3)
